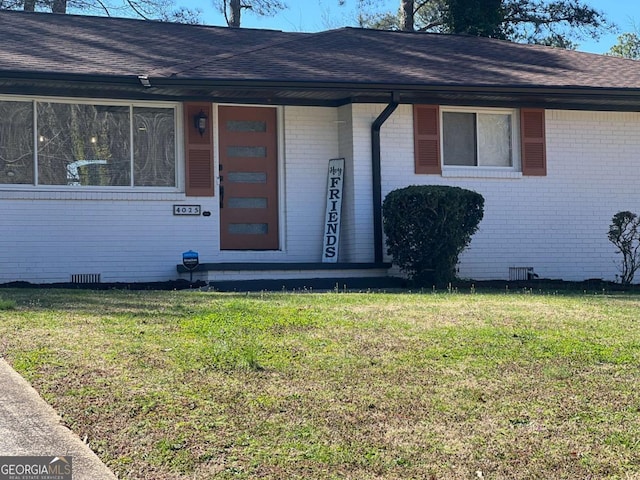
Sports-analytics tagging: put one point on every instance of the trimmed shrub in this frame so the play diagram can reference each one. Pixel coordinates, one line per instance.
(427, 227)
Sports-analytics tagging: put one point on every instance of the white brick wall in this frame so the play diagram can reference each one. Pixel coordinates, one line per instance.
(348, 247)
(49, 235)
(123, 237)
(556, 224)
(311, 139)
(363, 117)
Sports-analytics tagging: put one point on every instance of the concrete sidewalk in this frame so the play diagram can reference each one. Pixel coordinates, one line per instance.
(29, 426)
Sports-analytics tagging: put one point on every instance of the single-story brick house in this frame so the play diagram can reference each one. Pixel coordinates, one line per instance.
(124, 143)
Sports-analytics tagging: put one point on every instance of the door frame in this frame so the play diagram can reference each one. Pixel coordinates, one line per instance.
(281, 193)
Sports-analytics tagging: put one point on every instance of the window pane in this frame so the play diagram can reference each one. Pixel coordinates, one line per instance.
(154, 149)
(247, 202)
(253, 152)
(459, 138)
(83, 145)
(16, 142)
(494, 137)
(246, 126)
(248, 228)
(247, 177)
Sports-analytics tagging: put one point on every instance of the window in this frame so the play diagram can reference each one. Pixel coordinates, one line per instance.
(477, 139)
(87, 145)
(487, 140)
(154, 154)
(16, 142)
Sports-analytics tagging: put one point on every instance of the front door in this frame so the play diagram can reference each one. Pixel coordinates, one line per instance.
(248, 178)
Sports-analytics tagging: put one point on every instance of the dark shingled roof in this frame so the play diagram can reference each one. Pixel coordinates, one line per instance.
(44, 42)
(335, 66)
(377, 57)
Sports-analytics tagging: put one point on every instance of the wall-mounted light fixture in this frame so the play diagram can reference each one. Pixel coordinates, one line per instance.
(200, 121)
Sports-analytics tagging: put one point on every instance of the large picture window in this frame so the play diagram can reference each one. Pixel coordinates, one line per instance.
(84, 144)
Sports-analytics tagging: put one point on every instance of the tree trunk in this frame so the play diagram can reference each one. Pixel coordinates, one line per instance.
(29, 5)
(59, 6)
(406, 15)
(234, 13)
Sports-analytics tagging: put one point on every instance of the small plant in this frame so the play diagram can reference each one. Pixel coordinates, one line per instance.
(624, 233)
(427, 227)
(7, 304)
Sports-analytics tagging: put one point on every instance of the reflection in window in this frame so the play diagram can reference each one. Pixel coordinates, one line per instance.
(83, 145)
(154, 154)
(16, 142)
(80, 144)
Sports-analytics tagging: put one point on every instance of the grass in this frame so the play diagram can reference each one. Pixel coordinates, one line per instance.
(183, 385)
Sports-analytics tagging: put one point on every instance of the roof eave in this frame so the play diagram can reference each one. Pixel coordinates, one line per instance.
(289, 92)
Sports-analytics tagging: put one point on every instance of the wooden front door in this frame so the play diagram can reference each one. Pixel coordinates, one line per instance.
(248, 178)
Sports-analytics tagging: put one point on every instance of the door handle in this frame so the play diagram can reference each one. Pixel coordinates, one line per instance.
(221, 196)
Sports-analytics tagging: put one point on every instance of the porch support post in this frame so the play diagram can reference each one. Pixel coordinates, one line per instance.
(376, 175)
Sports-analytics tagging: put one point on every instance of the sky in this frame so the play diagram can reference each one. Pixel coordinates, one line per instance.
(317, 15)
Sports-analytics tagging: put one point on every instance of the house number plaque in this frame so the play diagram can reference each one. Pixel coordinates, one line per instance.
(186, 209)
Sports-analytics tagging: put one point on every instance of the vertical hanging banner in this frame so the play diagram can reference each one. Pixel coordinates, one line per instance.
(335, 181)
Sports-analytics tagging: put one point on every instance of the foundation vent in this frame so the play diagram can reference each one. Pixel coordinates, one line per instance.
(521, 273)
(85, 278)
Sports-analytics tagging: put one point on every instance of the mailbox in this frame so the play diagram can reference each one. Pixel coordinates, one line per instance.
(190, 260)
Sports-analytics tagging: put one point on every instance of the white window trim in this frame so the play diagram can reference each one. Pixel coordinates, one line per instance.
(514, 171)
(109, 191)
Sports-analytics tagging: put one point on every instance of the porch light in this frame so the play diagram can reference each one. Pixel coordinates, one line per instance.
(200, 121)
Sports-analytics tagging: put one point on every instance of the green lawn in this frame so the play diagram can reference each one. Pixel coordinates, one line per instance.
(184, 385)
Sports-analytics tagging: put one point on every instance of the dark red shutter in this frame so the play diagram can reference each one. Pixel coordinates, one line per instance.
(199, 173)
(426, 137)
(534, 148)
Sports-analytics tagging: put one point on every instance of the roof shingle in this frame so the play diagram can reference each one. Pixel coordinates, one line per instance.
(47, 44)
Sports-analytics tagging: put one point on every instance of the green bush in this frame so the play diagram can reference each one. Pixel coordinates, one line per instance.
(624, 233)
(427, 227)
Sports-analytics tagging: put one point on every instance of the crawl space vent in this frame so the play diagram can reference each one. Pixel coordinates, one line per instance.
(521, 273)
(85, 278)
